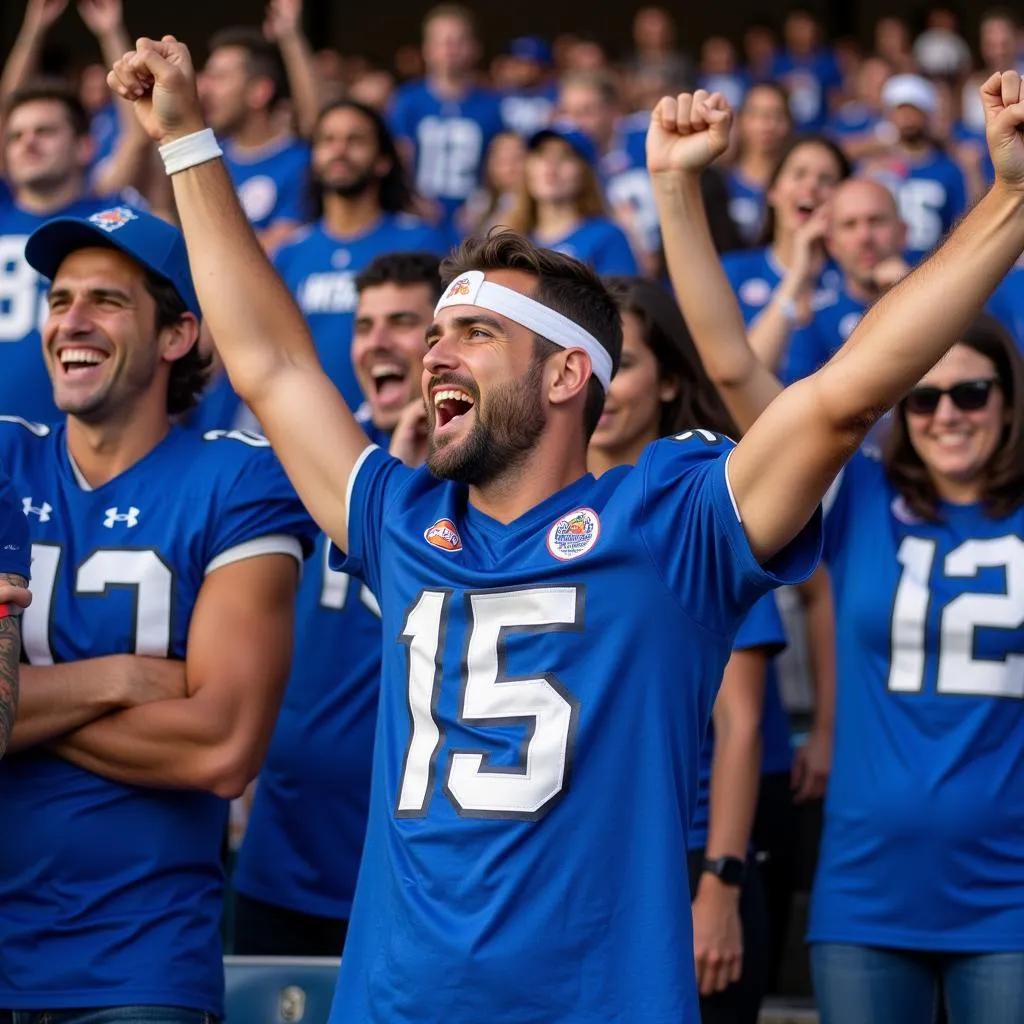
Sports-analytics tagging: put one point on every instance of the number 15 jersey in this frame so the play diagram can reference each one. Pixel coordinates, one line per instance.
(546, 686)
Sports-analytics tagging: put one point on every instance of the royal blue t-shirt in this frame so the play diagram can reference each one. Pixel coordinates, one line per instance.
(600, 243)
(808, 81)
(1007, 303)
(449, 139)
(25, 388)
(762, 629)
(305, 832)
(546, 685)
(812, 346)
(272, 182)
(924, 818)
(526, 111)
(931, 195)
(112, 893)
(755, 274)
(746, 205)
(320, 270)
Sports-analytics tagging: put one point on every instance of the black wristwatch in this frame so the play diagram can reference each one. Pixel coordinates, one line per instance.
(728, 870)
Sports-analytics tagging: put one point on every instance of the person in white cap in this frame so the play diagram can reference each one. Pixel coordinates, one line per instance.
(929, 186)
(552, 642)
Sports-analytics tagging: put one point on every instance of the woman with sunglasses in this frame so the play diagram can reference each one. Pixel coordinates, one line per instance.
(919, 896)
(661, 389)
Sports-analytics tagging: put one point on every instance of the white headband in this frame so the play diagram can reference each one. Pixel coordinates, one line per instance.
(471, 289)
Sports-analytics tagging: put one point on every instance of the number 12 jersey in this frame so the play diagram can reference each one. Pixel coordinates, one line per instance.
(546, 686)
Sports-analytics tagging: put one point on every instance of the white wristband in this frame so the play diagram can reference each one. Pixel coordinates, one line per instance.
(190, 150)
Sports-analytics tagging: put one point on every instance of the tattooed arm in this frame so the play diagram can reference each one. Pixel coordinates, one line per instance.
(13, 597)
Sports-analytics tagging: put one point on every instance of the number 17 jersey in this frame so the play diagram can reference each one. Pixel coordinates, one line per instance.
(546, 686)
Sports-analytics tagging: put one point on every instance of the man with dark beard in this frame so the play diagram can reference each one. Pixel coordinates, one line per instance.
(552, 642)
(366, 200)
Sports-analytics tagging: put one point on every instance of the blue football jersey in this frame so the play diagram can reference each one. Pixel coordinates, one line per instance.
(272, 183)
(112, 893)
(15, 551)
(449, 139)
(755, 273)
(746, 205)
(1007, 303)
(931, 195)
(808, 81)
(600, 243)
(545, 689)
(852, 120)
(924, 819)
(306, 828)
(25, 388)
(761, 629)
(320, 271)
(627, 185)
(526, 111)
(105, 129)
(813, 345)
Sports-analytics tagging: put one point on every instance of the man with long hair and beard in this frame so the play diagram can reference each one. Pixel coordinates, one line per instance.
(552, 642)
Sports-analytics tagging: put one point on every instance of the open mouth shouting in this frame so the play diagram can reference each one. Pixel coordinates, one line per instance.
(453, 407)
(390, 380)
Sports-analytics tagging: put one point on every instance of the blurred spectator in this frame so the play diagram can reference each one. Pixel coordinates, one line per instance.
(940, 50)
(762, 128)
(329, 67)
(529, 94)
(760, 47)
(445, 122)
(855, 124)
(374, 89)
(240, 87)
(804, 177)
(590, 100)
(47, 152)
(366, 202)
(849, 55)
(930, 188)
(503, 181)
(585, 54)
(561, 205)
(892, 44)
(720, 71)
(409, 63)
(807, 70)
(865, 237)
(655, 45)
(999, 46)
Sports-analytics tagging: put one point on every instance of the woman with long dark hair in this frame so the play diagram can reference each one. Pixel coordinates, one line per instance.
(919, 895)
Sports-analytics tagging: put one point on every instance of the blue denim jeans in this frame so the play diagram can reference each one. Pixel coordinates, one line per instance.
(857, 984)
(110, 1015)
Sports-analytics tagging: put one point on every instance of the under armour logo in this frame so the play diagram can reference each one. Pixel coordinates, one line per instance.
(129, 518)
(43, 511)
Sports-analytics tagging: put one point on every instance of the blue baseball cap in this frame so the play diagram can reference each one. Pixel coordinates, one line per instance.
(531, 48)
(148, 240)
(581, 144)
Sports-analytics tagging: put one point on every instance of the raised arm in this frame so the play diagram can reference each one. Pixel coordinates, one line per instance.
(259, 331)
(23, 60)
(283, 25)
(783, 466)
(239, 652)
(105, 20)
(676, 157)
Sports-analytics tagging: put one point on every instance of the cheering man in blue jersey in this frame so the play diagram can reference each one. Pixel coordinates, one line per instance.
(552, 642)
(158, 642)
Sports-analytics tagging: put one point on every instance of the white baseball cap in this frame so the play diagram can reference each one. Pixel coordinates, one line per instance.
(910, 91)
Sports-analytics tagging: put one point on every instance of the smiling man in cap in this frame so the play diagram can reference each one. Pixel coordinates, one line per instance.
(158, 642)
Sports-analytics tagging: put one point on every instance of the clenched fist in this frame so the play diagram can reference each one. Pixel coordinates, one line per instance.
(1003, 101)
(159, 79)
(687, 132)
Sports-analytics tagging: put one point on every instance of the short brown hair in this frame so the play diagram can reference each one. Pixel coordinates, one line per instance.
(189, 374)
(262, 57)
(564, 284)
(48, 90)
(1004, 474)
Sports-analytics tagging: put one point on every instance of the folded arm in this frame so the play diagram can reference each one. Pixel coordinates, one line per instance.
(239, 652)
(10, 655)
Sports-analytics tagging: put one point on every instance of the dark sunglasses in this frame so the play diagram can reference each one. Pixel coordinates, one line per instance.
(967, 396)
